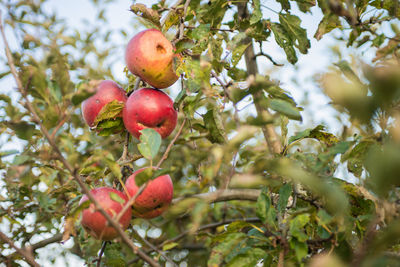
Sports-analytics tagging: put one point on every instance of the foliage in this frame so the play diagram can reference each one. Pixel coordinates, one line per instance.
(287, 207)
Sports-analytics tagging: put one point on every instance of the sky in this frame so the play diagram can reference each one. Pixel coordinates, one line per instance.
(298, 80)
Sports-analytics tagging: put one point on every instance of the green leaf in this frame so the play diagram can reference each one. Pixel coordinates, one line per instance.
(238, 52)
(8, 153)
(109, 111)
(76, 211)
(161, 172)
(184, 44)
(219, 252)
(214, 125)
(114, 166)
(201, 31)
(147, 14)
(328, 23)
(169, 246)
(285, 108)
(105, 124)
(285, 4)
(85, 89)
(114, 256)
(22, 129)
(21, 159)
(356, 157)
(172, 18)
(346, 69)
(81, 96)
(114, 196)
(150, 142)
(288, 34)
(334, 198)
(291, 24)
(392, 7)
(284, 41)
(144, 176)
(250, 257)
(264, 209)
(256, 15)
(305, 5)
(316, 133)
(300, 249)
(296, 227)
(284, 193)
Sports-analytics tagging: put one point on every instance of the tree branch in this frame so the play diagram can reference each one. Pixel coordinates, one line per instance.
(269, 57)
(66, 164)
(165, 155)
(225, 195)
(103, 248)
(45, 242)
(270, 135)
(212, 29)
(24, 253)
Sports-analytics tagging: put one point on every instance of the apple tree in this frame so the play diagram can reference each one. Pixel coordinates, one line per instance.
(253, 185)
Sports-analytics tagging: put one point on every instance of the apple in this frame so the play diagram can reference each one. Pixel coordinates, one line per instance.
(95, 223)
(151, 56)
(154, 199)
(106, 92)
(149, 108)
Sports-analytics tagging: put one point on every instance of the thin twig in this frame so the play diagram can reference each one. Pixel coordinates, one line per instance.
(59, 125)
(224, 195)
(182, 24)
(165, 155)
(136, 86)
(28, 256)
(212, 29)
(103, 248)
(154, 248)
(125, 152)
(177, 3)
(66, 164)
(226, 91)
(269, 57)
(132, 159)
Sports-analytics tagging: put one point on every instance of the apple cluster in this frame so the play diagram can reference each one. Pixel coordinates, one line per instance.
(150, 56)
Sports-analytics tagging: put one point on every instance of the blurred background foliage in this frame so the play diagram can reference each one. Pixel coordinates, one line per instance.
(267, 192)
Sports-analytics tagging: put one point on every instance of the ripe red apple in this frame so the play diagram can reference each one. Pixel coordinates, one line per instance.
(95, 223)
(154, 199)
(149, 108)
(106, 92)
(150, 56)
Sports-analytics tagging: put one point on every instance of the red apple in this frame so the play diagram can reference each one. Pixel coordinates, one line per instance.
(106, 92)
(95, 223)
(150, 56)
(154, 199)
(149, 108)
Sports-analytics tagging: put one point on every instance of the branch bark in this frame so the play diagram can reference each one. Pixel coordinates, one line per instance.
(225, 195)
(270, 135)
(24, 253)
